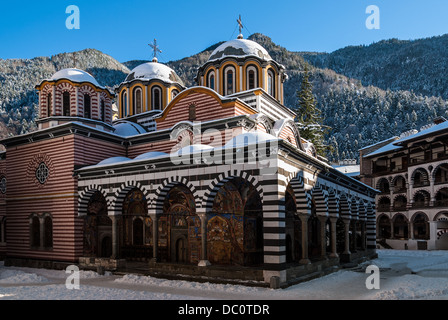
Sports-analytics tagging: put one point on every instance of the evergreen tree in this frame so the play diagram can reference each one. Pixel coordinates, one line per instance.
(309, 118)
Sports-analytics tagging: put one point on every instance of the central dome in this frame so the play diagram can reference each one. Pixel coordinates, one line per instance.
(240, 48)
(154, 70)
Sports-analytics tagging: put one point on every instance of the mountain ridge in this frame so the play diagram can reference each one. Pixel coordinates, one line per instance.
(345, 102)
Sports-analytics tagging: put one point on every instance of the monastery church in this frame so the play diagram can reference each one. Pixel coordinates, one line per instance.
(208, 181)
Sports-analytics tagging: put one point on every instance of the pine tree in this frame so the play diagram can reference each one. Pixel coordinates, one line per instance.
(309, 118)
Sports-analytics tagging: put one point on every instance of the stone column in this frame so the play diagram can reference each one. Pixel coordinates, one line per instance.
(204, 257)
(346, 255)
(334, 253)
(155, 237)
(432, 200)
(363, 235)
(304, 220)
(323, 247)
(114, 236)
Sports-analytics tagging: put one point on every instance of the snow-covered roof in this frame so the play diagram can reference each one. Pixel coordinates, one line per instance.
(154, 70)
(113, 160)
(433, 129)
(240, 48)
(397, 144)
(151, 155)
(193, 148)
(247, 138)
(75, 75)
(127, 128)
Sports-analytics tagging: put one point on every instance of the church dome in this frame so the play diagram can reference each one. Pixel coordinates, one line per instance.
(240, 48)
(154, 70)
(75, 75)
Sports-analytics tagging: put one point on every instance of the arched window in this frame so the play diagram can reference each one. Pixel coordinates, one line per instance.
(48, 232)
(49, 104)
(124, 104)
(211, 80)
(66, 104)
(271, 83)
(229, 81)
(137, 100)
(35, 232)
(87, 106)
(156, 94)
(103, 111)
(174, 93)
(252, 78)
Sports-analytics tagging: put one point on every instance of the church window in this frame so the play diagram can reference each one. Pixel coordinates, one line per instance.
(124, 104)
(271, 83)
(252, 81)
(48, 232)
(156, 93)
(49, 104)
(192, 112)
(3, 185)
(66, 104)
(174, 93)
(42, 173)
(35, 232)
(137, 100)
(229, 81)
(211, 80)
(87, 106)
(103, 111)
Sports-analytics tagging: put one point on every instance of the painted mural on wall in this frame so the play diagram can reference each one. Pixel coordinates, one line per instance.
(179, 223)
(95, 220)
(235, 225)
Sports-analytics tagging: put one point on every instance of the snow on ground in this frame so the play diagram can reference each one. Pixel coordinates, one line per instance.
(403, 275)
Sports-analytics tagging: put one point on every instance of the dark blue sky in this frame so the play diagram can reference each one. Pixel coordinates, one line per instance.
(123, 29)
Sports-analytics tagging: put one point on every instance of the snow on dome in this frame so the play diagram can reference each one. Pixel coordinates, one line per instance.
(154, 70)
(113, 160)
(249, 138)
(240, 48)
(127, 128)
(150, 155)
(75, 75)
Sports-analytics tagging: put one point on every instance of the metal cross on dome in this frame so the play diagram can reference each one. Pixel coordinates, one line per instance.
(240, 23)
(155, 48)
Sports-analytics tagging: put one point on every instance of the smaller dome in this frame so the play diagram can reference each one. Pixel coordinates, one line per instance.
(240, 48)
(249, 138)
(127, 128)
(154, 70)
(113, 160)
(75, 75)
(150, 155)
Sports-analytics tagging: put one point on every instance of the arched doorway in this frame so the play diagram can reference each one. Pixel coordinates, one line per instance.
(97, 227)
(421, 226)
(235, 225)
(179, 227)
(136, 226)
(400, 227)
(293, 228)
(314, 236)
(384, 227)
